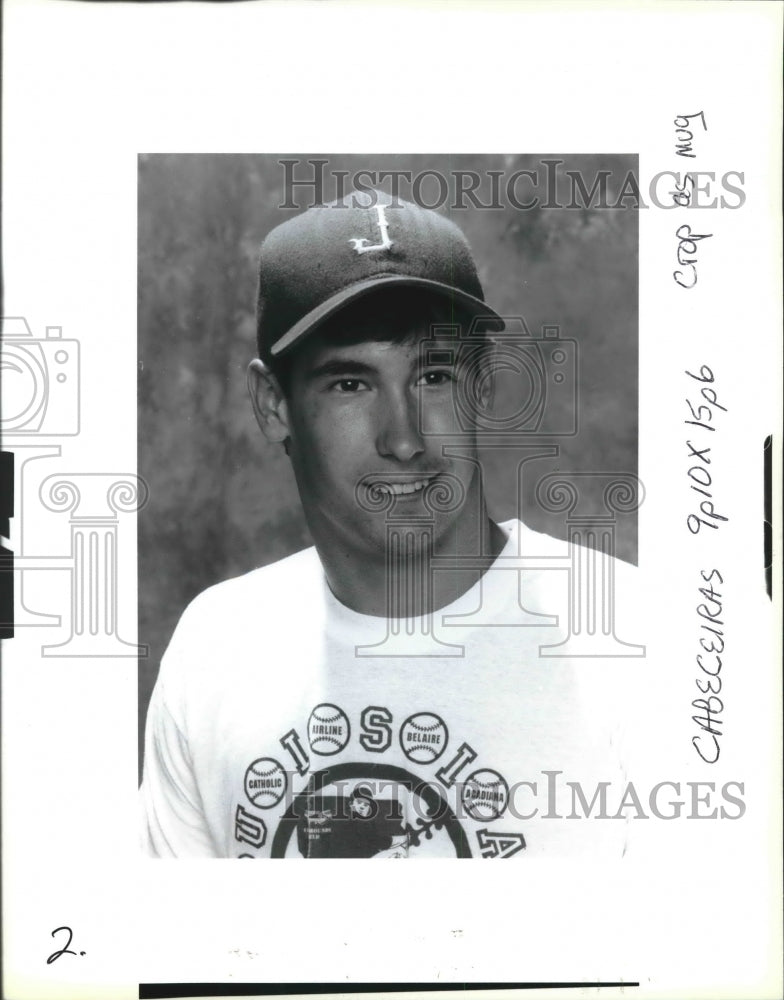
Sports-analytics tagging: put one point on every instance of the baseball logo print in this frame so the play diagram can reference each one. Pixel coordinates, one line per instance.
(328, 730)
(360, 810)
(265, 782)
(423, 737)
(485, 795)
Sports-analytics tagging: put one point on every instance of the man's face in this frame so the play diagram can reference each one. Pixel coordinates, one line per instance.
(361, 807)
(373, 413)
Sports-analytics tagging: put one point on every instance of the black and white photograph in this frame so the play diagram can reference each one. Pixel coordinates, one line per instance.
(391, 469)
(389, 636)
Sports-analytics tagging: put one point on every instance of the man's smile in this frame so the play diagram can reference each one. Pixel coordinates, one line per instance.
(400, 487)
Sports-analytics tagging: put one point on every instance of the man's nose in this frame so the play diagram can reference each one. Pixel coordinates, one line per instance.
(400, 435)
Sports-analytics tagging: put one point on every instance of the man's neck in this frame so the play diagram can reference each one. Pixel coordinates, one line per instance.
(404, 582)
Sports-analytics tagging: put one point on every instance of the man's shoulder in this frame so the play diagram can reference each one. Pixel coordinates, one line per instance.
(260, 591)
(243, 619)
(536, 542)
(593, 570)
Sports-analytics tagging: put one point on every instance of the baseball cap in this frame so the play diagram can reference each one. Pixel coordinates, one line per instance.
(318, 262)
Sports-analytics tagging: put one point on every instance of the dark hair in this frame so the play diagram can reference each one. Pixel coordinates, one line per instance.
(388, 314)
(364, 794)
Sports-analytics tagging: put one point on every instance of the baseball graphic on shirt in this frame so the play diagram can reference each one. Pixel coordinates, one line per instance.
(328, 729)
(368, 810)
(265, 782)
(423, 737)
(485, 795)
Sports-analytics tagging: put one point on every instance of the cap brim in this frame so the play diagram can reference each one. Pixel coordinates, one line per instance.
(333, 305)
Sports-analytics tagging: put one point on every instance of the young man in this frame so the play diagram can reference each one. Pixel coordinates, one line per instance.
(407, 665)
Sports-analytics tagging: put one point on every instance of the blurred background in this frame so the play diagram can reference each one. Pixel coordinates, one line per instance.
(222, 501)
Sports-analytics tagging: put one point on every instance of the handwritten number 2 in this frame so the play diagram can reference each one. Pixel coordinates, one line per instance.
(63, 951)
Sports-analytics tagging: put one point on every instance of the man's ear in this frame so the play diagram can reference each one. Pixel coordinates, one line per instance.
(269, 402)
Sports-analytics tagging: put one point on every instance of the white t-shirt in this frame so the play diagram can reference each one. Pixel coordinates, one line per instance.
(283, 724)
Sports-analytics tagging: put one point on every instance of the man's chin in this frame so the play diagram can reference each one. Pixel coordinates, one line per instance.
(402, 539)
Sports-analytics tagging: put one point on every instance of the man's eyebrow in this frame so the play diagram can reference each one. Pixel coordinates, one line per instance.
(333, 367)
(338, 366)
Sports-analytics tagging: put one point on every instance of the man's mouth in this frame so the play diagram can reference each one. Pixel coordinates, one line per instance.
(401, 488)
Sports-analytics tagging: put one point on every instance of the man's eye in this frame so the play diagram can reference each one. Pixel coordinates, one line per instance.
(437, 378)
(347, 385)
